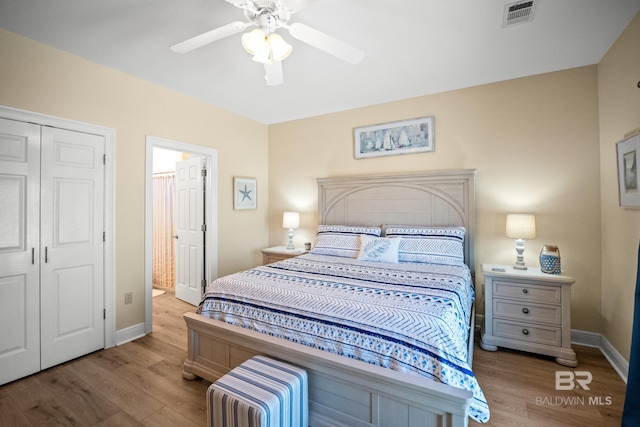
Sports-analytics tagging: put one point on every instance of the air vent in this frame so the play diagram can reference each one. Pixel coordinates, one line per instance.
(518, 13)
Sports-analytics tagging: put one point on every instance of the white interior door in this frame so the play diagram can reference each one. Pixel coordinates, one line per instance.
(19, 249)
(190, 229)
(72, 247)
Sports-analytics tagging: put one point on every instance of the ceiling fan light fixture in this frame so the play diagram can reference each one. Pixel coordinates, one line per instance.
(254, 41)
(265, 48)
(280, 49)
(257, 44)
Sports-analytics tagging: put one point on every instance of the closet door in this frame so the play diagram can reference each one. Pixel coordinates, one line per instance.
(72, 248)
(19, 249)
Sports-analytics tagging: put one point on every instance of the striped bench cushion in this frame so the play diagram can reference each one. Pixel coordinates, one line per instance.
(261, 392)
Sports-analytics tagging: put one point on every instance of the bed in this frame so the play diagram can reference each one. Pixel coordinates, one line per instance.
(288, 309)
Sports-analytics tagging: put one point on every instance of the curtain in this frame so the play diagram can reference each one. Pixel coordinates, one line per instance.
(163, 231)
(631, 411)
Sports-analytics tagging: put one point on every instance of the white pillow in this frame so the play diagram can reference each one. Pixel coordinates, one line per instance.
(341, 240)
(379, 249)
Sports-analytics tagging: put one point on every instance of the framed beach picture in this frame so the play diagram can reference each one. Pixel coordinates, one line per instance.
(389, 139)
(245, 193)
(627, 152)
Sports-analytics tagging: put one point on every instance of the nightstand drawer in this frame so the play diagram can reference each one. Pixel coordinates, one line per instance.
(527, 332)
(527, 292)
(518, 310)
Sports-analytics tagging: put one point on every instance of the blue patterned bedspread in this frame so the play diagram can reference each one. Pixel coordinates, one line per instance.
(409, 317)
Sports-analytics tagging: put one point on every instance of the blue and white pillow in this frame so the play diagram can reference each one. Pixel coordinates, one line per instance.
(379, 249)
(341, 240)
(440, 245)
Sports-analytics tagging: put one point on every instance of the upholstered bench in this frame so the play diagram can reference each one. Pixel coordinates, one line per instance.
(261, 392)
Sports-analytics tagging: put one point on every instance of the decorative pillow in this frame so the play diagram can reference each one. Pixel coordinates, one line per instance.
(379, 249)
(341, 240)
(440, 245)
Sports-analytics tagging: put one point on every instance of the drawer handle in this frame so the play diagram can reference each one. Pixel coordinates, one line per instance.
(525, 310)
(525, 291)
(525, 331)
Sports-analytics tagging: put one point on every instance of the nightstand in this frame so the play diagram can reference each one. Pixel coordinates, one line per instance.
(278, 253)
(527, 310)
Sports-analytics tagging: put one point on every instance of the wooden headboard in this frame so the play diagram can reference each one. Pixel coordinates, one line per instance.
(442, 198)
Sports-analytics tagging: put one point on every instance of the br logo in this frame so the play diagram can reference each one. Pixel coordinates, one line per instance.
(568, 380)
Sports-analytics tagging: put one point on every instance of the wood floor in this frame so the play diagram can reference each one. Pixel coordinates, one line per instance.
(521, 389)
(140, 384)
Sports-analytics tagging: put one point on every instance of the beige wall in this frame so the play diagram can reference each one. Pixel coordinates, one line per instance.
(534, 142)
(38, 78)
(618, 77)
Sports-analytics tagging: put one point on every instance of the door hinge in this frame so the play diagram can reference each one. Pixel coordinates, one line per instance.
(104, 236)
(104, 313)
(104, 159)
(203, 172)
(203, 283)
(203, 227)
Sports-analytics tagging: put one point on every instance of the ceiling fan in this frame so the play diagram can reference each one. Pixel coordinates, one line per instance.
(264, 43)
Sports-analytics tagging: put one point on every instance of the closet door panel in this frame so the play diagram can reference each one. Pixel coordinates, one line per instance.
(72, 288)
(19, 249)
(71, 294)
(73, 222)
(13, 190)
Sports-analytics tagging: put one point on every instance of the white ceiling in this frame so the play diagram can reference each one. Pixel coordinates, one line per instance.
(412, 47)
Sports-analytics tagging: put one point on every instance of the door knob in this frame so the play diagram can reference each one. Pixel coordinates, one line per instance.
(175, 237)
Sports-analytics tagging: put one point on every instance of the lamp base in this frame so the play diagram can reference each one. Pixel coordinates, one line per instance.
(519, 265)
(290, 246)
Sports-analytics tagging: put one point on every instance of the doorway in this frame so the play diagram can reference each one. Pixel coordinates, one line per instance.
(164, 177)
(177, 150)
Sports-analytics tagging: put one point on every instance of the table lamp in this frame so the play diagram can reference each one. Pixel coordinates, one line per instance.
(520, 227)
(291, 220)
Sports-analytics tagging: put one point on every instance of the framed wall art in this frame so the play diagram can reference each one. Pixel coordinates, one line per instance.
(245, 193)
(389, 139)
(627, 152)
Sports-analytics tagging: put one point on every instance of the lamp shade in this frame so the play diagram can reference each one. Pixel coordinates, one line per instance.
(521, 226)
(280, 49)
(291, 220)
(254, 41)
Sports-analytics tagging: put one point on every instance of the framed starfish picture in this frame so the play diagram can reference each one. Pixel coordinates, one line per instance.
(245, 193)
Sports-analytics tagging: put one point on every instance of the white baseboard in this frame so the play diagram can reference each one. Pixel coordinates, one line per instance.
(131, 333)
(592, 339)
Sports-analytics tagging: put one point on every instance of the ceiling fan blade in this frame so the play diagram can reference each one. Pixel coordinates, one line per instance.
(273, 73)
(324, 42)
(209, 37)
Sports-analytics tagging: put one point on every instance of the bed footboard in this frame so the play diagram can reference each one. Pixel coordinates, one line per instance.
(342, 391)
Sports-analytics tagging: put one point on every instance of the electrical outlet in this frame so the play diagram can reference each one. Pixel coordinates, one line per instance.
(128, 298)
